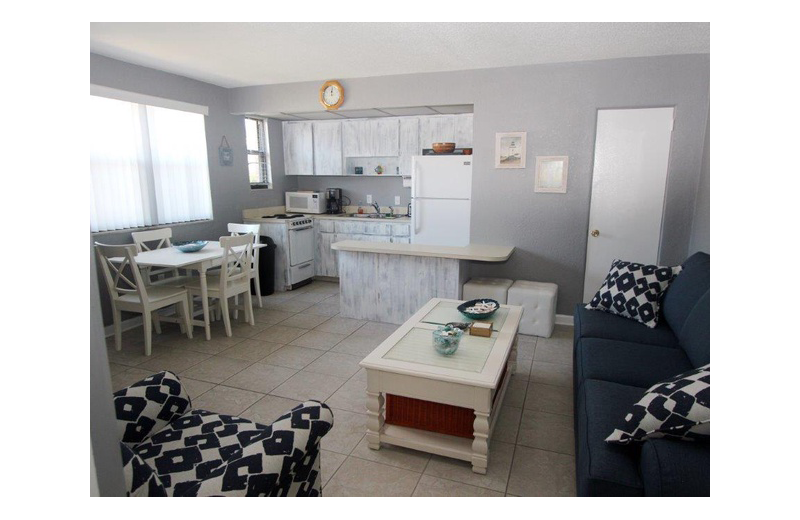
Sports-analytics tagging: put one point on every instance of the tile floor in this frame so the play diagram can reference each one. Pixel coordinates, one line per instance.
(300, 348)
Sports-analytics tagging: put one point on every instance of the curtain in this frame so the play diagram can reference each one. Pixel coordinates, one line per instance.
(148, 166)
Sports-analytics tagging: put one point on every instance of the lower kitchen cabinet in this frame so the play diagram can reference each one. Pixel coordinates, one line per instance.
(325, 257)
(330, 231)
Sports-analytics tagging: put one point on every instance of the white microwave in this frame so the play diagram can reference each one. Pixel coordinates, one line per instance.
(304, 202)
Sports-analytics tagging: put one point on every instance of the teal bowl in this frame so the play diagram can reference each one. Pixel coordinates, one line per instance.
(190, 246)
(446, 344)
(474, 315)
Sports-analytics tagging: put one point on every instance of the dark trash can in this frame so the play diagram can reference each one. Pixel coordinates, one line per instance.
(266, 267)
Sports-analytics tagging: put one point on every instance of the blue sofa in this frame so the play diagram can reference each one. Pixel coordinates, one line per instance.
(615, 360)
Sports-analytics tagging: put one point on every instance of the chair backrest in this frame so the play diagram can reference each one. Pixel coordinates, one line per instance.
(235, 268)
(118, 282)
(162, 238)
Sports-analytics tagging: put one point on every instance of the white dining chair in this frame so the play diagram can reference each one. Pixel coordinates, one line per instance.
(158, 239)
(242, 229)
(232, 279)
(130, 293)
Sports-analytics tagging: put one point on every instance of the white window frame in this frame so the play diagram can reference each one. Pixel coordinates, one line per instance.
(263, 155)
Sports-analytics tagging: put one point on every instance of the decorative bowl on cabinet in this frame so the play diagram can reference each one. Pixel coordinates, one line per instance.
(444, 147)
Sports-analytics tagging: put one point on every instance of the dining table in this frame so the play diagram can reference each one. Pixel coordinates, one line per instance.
(201, 261)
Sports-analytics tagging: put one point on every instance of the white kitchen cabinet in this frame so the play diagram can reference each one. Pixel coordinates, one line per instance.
(370, 137)
(325, 257)
(330, 231)
(401, 240)
(327, 147)
(298, 148)
(409, 143)
(436, 129)
(462, 124)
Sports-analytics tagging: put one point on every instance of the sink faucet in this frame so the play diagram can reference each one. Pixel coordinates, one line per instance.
(377, 208)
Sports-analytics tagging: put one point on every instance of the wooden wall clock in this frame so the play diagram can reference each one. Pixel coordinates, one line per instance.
(331, 95)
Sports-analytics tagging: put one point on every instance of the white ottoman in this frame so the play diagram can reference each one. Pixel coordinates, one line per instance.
(539, 303)
(494, 288)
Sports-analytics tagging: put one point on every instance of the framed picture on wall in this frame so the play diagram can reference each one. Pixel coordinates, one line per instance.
(551, 174)
(510, 150)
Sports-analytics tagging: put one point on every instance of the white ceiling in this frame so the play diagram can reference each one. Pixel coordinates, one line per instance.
(243, 54)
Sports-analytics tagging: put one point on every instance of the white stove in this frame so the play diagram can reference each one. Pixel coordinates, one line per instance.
(294, 236)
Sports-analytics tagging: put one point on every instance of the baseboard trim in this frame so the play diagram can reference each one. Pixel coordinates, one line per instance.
(565, 319)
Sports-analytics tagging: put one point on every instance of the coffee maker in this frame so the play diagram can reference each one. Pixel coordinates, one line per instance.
(333, 199)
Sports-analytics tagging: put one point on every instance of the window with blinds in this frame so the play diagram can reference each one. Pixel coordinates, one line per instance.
(257, 153)
(149, 165)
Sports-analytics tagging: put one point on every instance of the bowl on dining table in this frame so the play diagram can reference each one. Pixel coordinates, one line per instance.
(190, 246)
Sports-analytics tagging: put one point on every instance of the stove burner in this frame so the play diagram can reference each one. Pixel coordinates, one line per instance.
(284, 216)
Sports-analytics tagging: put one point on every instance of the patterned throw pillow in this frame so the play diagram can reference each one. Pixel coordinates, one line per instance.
(634, 291)
(679, 407)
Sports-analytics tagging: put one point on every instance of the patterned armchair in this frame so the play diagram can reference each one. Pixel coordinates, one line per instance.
(168, 449)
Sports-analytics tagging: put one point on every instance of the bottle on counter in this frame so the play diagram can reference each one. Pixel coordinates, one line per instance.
(360, 209)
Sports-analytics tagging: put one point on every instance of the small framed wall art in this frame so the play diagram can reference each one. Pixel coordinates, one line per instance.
(510, 150)
(551, 174)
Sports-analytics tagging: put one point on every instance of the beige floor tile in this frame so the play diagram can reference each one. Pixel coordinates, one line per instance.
(324, 308)
(260, 377)
(336, 364)
(526, 349)
(352, 396)
(318, 340)
(496, 477)
(242, 329)
(429, 486)
(226, 400)
(195, 388)
(340, 325)
(280, 334)
(130, 355)
(523, 370)
(538, 473)
(551, 374)
(547, 431)
(359, 346)
(328, 288)
(271, 317)
(311, 296)
(507, 424)
(216, 369)
(549, 398)
(251, 350)
(279, 297)
(127, 378)
(115, 368)
(292, 356)
(376, 329)
(515, 393)
(348, 430)
(305, 321)
(267, 409)
(308, 385)
(362, 478)
(293, 305)
(329, 463)
(396, 456)
(554, 350)
(175, 360)
(218, 342)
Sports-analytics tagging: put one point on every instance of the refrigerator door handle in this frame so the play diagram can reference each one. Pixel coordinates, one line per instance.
(414, 217)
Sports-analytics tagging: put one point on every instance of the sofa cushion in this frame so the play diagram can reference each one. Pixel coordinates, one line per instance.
(679, 407)
(604, 469)
(633, 290)
(194, 447)
(591, 324)
(672, 468)
(627, 363)
(694, 281)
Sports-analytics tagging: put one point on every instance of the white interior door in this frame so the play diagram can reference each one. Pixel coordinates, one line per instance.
(630, 177)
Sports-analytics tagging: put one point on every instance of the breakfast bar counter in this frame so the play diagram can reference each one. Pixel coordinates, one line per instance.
(389, 282)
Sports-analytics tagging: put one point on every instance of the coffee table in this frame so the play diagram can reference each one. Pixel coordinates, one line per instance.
(420, 399)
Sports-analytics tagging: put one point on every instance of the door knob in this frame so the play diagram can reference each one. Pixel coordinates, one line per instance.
(595, 233)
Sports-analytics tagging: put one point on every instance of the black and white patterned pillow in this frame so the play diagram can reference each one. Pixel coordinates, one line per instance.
(679, 407)
(634, 291)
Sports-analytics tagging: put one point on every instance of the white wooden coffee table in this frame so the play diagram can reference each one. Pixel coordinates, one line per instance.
(430, 393)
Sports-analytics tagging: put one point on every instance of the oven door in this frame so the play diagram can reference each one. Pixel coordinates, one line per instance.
(301, 246)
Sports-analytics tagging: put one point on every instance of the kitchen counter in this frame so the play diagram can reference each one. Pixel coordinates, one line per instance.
(475, 252)
(403, 220)
(389, 282)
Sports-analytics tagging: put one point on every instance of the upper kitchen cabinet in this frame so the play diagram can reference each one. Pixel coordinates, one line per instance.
(298, 148)
(409, 143)
(327, 148)
(370, 137)
(446, 129)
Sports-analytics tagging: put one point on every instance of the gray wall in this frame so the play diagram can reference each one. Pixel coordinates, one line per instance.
(701, 227)
(383, 189)
(230, 188)
(557, 105)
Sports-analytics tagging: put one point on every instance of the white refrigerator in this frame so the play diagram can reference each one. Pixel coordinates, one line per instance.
(441, 192)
